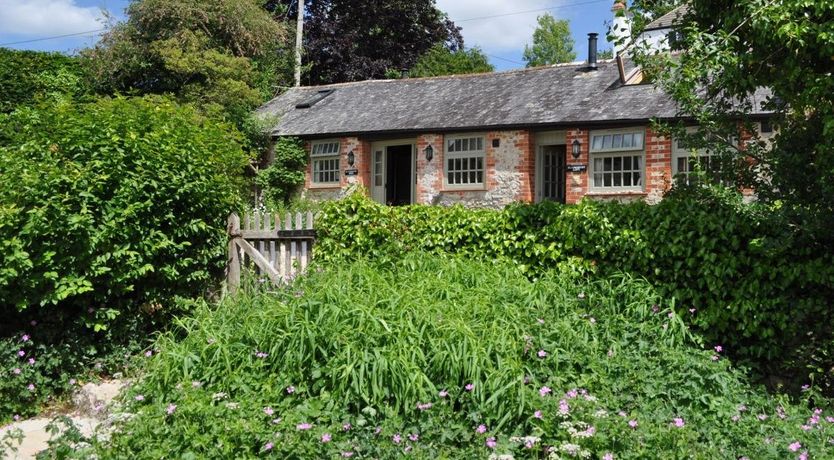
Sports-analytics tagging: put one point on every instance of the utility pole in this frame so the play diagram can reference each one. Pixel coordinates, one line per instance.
(299, 35)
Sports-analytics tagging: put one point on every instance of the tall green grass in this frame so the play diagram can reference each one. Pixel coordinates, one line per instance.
(373, 344)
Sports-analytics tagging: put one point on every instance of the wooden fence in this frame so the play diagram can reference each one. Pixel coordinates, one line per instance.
(275, 248)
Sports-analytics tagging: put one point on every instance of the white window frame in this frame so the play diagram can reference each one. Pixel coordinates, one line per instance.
(599, 151)
(477, 154)
(679, 153)
(325, 158)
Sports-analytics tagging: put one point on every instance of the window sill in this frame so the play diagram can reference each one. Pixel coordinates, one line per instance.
(464, 189)
(324, 187)
(618, 193)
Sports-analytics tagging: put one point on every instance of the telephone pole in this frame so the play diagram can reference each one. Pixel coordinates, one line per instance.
(299, 34)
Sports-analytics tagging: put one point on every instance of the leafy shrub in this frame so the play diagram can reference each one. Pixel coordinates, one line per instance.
(377, 359)
(26, 76)
(48, 358)
(754, 285)
(286, 173)
(114, 202)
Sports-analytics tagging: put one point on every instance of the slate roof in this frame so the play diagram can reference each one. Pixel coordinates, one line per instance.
(669, 19)
(546, 97)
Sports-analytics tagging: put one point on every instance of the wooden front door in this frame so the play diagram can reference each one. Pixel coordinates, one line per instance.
(553, 172)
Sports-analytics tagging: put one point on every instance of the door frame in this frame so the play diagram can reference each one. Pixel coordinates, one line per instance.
(540, 170)
(378, 192)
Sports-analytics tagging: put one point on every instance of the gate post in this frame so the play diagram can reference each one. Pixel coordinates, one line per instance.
(233, 261)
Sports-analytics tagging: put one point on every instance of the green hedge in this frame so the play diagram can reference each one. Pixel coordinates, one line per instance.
(113, 204)
(26, 76)
(734, 264)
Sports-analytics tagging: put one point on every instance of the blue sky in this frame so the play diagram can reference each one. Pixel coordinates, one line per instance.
(500, 27)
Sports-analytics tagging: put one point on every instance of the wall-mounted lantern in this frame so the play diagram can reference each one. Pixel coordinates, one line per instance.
(429, 151)
(575, 149)
(351, 158)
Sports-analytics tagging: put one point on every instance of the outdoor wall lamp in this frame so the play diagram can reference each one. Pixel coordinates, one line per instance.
(575, 150)
(429, 151)
(351, 158)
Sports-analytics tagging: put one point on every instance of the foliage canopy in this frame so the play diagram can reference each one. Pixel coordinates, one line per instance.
(27, 76)
(442, 61)
(352, 40)
(552, 43)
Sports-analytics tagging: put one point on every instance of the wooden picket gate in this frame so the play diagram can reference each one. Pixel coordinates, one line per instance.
(275, 249)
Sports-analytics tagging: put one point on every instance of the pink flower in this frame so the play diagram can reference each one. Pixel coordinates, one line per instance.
(397, 438)
(762, 417)
(742, 408)
(542, 354)
(31, 387)
(469, 387)
(347, 427)
(16, 417)
(21, 353)
(139, 397)
(829, 419)
(260, 354)
(804, 387)
(806, 427)
(377, 430)
(803, 455)
(692, 310)
(25, 338)
(529, 444)
(671, 314)
(72, 381)
(347, 454)
(537, 414)
(678, 422)
(608, 456)
(149, 353)
(794, 446)
(736, 417)
(490, 442)
(290, 390)
(718, 348)
(268, 446)
(303, 426)
(33, 323)
(564, 409)
(655, 308)
(268, 411)
(171, 408)
(715, 357)
(325, 438)
(443, 393)
(544, 391)
(31, 361)
(481, 429)
(633, 423)
(414, 437)
(16, 371)
(424, 406)
(572, 393)
(540, 321)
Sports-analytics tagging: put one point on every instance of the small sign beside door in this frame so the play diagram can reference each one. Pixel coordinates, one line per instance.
(351, 172)
(577, 168)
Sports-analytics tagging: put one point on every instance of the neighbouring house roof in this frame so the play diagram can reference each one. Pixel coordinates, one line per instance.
(669, 19)
(556, 96)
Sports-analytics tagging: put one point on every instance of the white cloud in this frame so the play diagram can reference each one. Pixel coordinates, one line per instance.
(41, 18)
(498, 34)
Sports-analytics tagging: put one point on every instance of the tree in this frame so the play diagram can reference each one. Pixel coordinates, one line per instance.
(441, 61)
(552, 43)
(737, 57)
(351, 40)
(225, 55)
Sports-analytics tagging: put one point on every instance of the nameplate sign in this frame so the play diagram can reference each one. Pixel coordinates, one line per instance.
(577, 168)
(351, 172)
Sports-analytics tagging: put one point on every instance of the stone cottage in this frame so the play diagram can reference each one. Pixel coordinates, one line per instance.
(560, 133)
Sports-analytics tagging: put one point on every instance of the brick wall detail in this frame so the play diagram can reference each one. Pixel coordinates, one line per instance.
(577, 182)
(658, 166)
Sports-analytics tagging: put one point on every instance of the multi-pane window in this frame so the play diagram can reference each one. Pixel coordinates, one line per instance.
(465, 161)
(325, 158)
(617, 161)
(686, 161)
